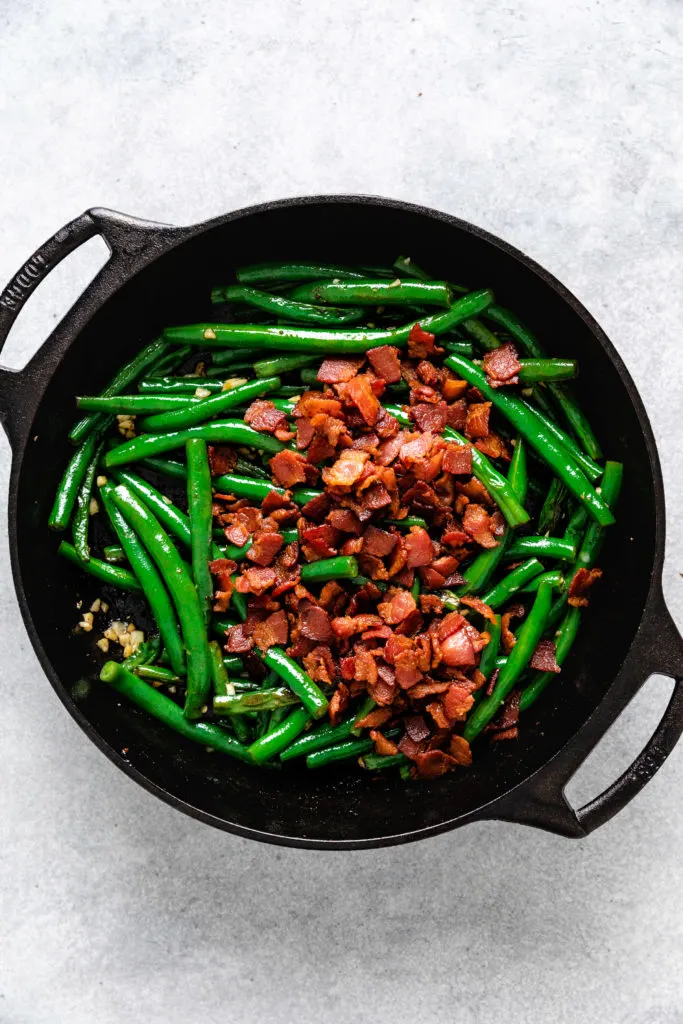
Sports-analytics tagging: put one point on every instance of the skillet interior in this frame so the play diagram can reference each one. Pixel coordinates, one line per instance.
(341, 806)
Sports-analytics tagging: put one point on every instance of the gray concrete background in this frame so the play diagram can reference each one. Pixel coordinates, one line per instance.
(554, 123)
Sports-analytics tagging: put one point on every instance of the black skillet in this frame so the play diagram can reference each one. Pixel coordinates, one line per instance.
(160, 275)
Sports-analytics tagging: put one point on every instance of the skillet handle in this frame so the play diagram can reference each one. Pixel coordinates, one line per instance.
(658, 650)
(126, 237)
(667, 659)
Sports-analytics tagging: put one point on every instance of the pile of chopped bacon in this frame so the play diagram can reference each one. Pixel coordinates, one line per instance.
(417, 661)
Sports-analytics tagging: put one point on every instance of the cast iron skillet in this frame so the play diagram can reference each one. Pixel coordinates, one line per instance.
(161, 275)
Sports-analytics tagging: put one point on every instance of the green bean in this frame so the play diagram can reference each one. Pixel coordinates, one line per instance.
(535, 371)
(152, 585)
(577, 526)
(510, 584)
(494, 482)
(530, 632)
(157, 674)
(342, 567)
(246, 468)
(111, 574)
(479, 572)
(564, 638)
(530, 426)
(309, 376)
(70, 484)
(176, 386)
(169, 467)
(552, 510)
(200, 504)
(564, 398)
(114, 553)
(298, 680)
(324, 734)
(478, 331)
(135, 404)
(610, 487)
(261, 700)
(81, 521)
(487, 662)
(170, 517)
(216, 432)
(219, 627)
(370, 292)
(145, 653)
(462, 348)
(281, 736)
(204, 408)
(405, 524)
(543, 547)
(277, 365)
(259, 273)
(229, 373)
(228, 357)
(168, 362)
(592, 470)
(405, 265)
(232, 664)
(238, 553)
(378, 762)
(167, 711)
(286, 308)
(125, 376)
(176, 575)
(326, 341)
(339, 752)
(244, 486)
(362, 581)
(222, 687)
(238, 602)
(291, 390)
(553, 577)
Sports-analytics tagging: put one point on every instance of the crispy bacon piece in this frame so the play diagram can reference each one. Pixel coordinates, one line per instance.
(319, 664)
(459, 749)
(543, 657)
(379, 543)
(502, 365)
(256, 580)
(289, 468)
(221, 459)
(314, 623)
(262, 415)
(477, 523)
(458, 459)
(421, 343)
(272, 632)
(359, 392)
(312, 402)
(324, 539)
(397, 606)
(430, 418)
(305, 432)
(345, 626)
(457, 650)
(346, 471)
(457, 701)
(418, 546)
(493, 446)
(338, 371)
(238, 640)
(477, 422)
(265, 547)
(375, 719)
(385, 362)
(382, 744)
(580, 585)
(339, 703)
(433, 763)
(440, 717)
(457, 414)
(479, 606)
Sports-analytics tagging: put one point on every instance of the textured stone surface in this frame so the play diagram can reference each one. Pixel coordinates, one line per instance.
(554, 123)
